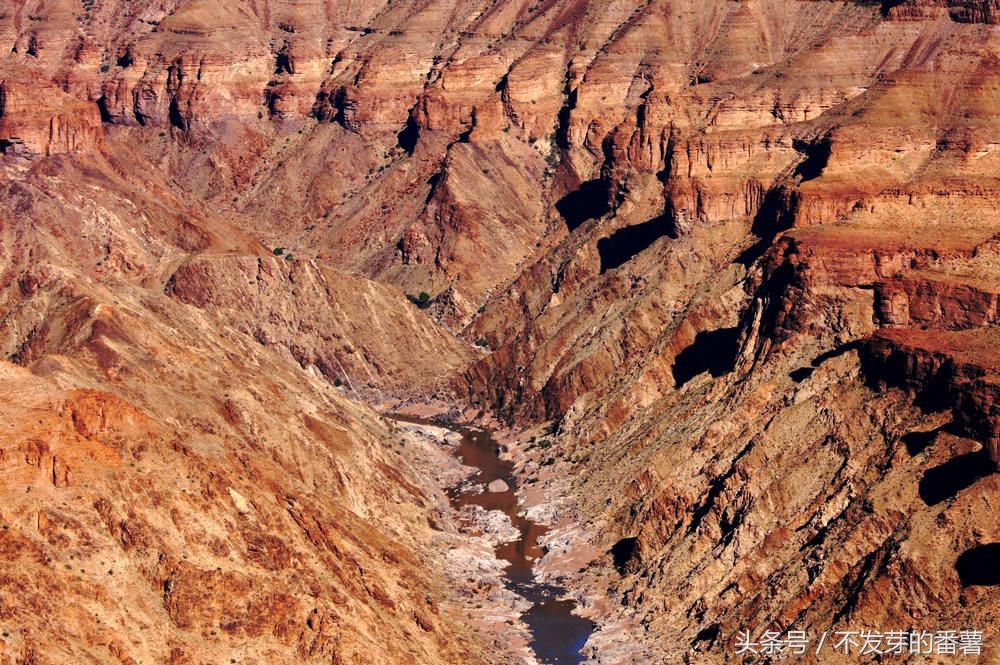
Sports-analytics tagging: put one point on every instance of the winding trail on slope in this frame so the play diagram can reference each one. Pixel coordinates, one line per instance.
(558, 635)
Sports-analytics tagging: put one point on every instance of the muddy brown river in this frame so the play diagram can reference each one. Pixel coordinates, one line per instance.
(558, 635)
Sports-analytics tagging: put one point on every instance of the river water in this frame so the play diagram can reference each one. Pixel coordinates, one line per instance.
(557, 634)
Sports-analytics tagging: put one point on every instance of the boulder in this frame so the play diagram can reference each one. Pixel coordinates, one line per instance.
(498, 486)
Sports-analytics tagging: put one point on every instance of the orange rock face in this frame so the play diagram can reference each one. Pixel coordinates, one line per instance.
(740, 258)
(37, 118)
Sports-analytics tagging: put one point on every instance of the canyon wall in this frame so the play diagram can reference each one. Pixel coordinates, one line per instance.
(181, 487)
(739, 256)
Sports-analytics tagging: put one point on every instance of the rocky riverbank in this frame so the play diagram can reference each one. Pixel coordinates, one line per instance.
(468, 538)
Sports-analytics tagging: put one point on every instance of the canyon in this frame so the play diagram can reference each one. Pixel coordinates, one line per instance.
(722, 277)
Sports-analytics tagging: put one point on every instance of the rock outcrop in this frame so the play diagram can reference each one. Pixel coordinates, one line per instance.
(37, 118)
(945, 370)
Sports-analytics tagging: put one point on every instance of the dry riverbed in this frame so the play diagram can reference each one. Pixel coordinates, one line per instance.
(575, 559)
(468, 538)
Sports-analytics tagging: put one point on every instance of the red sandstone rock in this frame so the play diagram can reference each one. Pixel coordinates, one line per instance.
(37, 118)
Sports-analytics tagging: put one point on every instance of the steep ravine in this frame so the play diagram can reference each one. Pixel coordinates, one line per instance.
(557, 634)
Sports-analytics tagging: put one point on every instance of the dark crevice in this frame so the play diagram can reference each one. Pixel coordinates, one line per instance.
(126, 59)
(340, 104)
(433, 181)
(856, 582)
(139, 116)
(271, 100)
(778, 301)
(562, 128)
(801, 374)
(818, 538)
(715, 491)
(707, 637)
(776, 212)
(283, 63)
(712, 351)
(560, 276)
(749, 256)
(775, 215)
(102, 107)
(407, 139)
(176, 117)
(588, 202)
(624, 552)
(817, 154)
(947, 480)
(980, 566)
(624, 244)
(728, 526)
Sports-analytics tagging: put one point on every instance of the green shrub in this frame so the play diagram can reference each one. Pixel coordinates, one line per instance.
(423, 301)
(278, 251)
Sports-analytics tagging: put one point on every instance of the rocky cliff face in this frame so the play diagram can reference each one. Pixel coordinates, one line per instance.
(740, 255)
(37, 118)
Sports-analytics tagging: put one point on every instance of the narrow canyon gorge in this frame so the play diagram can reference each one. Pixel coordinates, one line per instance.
(497, 331)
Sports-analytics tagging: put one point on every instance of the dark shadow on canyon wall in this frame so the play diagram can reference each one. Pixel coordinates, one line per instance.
(801, 374)
(588, 202)
(408, 137)
(816, 153)
(102, 108)
(623, 245)
(706, 638)
(980, 566)
(623, 552)
(946, 480)
(918, 442)
(775, 215)
(712, 351)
